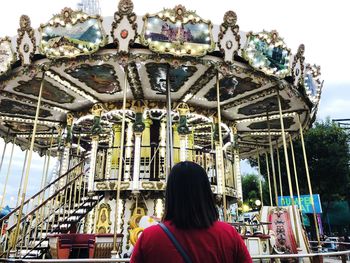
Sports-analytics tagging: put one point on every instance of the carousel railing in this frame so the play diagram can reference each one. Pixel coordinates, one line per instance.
(153, 163)
(51, 209)
(316, 257)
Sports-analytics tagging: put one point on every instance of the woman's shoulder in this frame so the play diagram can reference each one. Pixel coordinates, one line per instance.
(220, 226)
(152, 231)
(224, 225)
(217, 226)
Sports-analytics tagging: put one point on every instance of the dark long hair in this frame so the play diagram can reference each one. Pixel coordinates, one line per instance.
(189, 201)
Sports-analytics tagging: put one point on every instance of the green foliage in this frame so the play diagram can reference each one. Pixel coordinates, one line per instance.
(251, 189)
(328, 158)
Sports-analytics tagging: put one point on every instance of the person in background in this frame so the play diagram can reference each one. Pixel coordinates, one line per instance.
(191, 218)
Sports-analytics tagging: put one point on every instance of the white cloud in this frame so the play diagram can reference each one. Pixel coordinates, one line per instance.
(336, 107)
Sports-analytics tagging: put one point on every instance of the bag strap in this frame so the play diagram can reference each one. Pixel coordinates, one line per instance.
(177, 245)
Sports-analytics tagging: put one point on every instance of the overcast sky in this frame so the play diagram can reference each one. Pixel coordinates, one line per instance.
(323, 26)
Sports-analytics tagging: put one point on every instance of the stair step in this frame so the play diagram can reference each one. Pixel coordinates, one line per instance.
(32, 248)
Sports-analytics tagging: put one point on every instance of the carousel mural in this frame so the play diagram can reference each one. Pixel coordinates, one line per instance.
(118, 101)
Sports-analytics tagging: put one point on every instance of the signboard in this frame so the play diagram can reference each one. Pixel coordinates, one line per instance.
(305, 203)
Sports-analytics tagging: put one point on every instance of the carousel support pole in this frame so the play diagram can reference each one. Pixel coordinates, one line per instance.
(95, 131)
(63, 161)
(183, 130)
(76, 190)
(116, 148)
(115, 248)
(285, 149)
(220, 169)
(183, 150)
(146, 148)
(260, 177)
(268, 177)
(190, 153)
(4, 150)
(22, 175)
(138, 128)
(177, 144)
(65, 164)
(236, 163)
(39, 200)
(295, 172)
(6, 180)
(78, 145)
(128, 151)
(54, 187)
(71, 189)
(2, 160)
(279, 168)
(272, 160)
(162, 151)
(44, 183)
(7, 175)
(108, 158)
(25, 183)
(19, 190)
(169, 137)
(309, 184)
(81, 182)
(84, 187)
(137, 163)
(287, 167)
(57, 200)
(232, 160)
(69, 138)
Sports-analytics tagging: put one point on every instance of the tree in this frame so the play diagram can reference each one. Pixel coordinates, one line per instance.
(251, 189)
(328, 158)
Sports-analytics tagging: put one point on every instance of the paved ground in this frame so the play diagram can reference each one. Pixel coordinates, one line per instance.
(332, 260)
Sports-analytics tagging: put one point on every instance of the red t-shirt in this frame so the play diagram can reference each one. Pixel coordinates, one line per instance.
(219, 243)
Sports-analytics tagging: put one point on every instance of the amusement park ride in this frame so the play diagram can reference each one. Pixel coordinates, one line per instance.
(119, 100)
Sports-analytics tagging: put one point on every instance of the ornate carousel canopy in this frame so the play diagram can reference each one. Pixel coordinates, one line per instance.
(86, 60)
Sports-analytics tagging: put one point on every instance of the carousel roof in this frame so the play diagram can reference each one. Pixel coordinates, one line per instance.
(85, 60)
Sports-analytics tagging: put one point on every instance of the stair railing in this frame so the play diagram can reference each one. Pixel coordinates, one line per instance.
(73, 176)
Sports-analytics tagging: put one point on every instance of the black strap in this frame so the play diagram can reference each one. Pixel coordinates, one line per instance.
(177, 245)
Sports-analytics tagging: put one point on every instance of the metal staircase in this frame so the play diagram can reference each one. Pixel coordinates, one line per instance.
(47, 212)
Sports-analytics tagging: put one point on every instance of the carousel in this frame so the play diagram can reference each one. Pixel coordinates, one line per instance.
(117, 101)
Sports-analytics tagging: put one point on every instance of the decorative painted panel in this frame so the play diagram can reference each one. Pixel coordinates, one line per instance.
(101, 78)
(71, 34)
(50, 92)
(14, 107)
(25, 127)
(177, 76)
(103, 221)
(7, 57)
(313, 84)
(260, 107)
(178, 32)
(267, 52)
(231, 87)
(274, 124)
